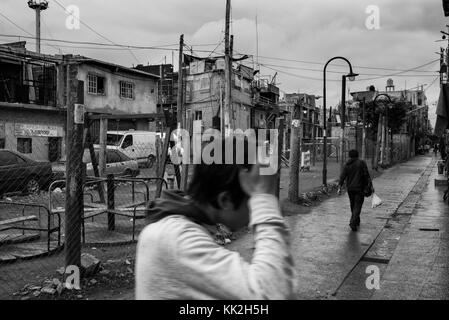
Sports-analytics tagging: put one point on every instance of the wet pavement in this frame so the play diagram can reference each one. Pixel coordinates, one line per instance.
(331, 260)
(419, 267)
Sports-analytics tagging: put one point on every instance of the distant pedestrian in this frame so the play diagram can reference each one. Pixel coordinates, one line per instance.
(177, 258)
(358, 183)
(435, 149)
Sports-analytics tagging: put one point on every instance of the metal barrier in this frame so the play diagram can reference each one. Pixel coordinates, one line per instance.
(49, 229)
(91, 210)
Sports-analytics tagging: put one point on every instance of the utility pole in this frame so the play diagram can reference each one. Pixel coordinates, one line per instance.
(295, 126)
(179, 108)
(38, 6)
(231, 105)
(74, 206)
(378, 143)
(181, 117)
(228, 68)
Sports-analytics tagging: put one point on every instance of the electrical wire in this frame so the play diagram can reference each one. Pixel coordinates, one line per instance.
(19, 27)
(92, 29)
(335, 65)
(339, 72)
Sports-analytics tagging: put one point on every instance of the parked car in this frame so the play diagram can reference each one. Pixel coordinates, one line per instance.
(117, 163)
(136, 144)
(20, 173)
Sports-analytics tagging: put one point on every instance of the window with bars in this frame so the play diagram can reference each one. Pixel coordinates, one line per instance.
(95, 84)
(25, 145)
(126, 90)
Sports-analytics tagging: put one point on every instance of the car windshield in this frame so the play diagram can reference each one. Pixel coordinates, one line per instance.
(114, 139)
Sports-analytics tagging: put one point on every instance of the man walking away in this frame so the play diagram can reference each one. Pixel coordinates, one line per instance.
(356, 175)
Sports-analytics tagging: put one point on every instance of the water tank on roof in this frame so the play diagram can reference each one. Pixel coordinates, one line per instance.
(390, 83)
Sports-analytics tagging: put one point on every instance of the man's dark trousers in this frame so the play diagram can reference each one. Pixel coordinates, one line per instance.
(356, 199)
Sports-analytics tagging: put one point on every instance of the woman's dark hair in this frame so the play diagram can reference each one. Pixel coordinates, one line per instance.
(209, 180)
(353, 153)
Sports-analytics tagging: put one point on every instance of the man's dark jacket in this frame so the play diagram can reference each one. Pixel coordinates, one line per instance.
(356, 174)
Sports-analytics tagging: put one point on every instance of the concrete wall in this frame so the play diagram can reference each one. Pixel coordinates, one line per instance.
(145, 92)
(32, 118)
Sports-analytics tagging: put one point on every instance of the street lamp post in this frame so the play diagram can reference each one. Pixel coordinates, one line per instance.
(351, 77)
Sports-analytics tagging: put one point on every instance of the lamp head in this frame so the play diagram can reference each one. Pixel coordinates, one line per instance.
(351, 76)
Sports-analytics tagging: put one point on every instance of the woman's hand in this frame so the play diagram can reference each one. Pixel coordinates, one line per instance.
(252, 182)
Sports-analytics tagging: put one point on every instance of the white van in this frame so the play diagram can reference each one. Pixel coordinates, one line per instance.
(138, 145)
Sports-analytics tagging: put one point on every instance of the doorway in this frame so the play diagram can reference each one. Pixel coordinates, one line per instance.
(54, 149)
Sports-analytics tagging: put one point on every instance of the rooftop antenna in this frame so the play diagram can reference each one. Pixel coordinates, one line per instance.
(38, 6)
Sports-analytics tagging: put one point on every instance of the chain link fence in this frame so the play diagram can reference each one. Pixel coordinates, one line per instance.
(33, 226)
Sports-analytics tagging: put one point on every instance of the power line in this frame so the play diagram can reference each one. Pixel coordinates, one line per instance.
(398, 73)
(366, 79)
(431, 84)
(162, 47)
(19, 27)
(90, 28)
(339, 72)
(339, 65)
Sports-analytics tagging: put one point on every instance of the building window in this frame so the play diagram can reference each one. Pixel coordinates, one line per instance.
(24, 145)
(2, 143)
(95, 84)
(126, 90)
(198, 115)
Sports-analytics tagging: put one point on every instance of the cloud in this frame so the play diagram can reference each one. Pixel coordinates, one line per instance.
(311, 30)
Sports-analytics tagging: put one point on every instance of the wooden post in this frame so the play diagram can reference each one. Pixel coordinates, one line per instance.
(293, 188)
(378, 143)
(163, 162)
(74, 206)
(111, 202)
(181, 117)
(89, 144)
(280, 147)
(228, 69)
(382, 151)
(313, 142)
(102, 152)
(364, 130)
(179, 103)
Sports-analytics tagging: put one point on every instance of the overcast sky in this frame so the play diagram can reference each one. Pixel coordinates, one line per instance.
(311, 31)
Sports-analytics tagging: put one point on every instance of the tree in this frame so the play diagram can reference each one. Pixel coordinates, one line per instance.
(397, 114)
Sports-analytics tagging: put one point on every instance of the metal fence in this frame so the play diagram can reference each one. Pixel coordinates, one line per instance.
(33, 226)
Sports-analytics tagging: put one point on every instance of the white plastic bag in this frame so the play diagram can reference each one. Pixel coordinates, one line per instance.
(376, 201)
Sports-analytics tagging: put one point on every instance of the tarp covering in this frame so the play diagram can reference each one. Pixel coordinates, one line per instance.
(442, 111)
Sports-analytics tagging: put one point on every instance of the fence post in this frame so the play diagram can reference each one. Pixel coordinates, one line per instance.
(74, 167)
(111, 202)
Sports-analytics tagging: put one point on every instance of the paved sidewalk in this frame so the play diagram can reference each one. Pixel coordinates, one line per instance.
(419, 267)
(324, 247)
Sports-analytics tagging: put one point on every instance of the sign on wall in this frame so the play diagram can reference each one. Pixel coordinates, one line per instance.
(34, 130)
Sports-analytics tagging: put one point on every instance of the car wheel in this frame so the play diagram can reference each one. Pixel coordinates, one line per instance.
(150, 161)
(128, 173)
(32, 186)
